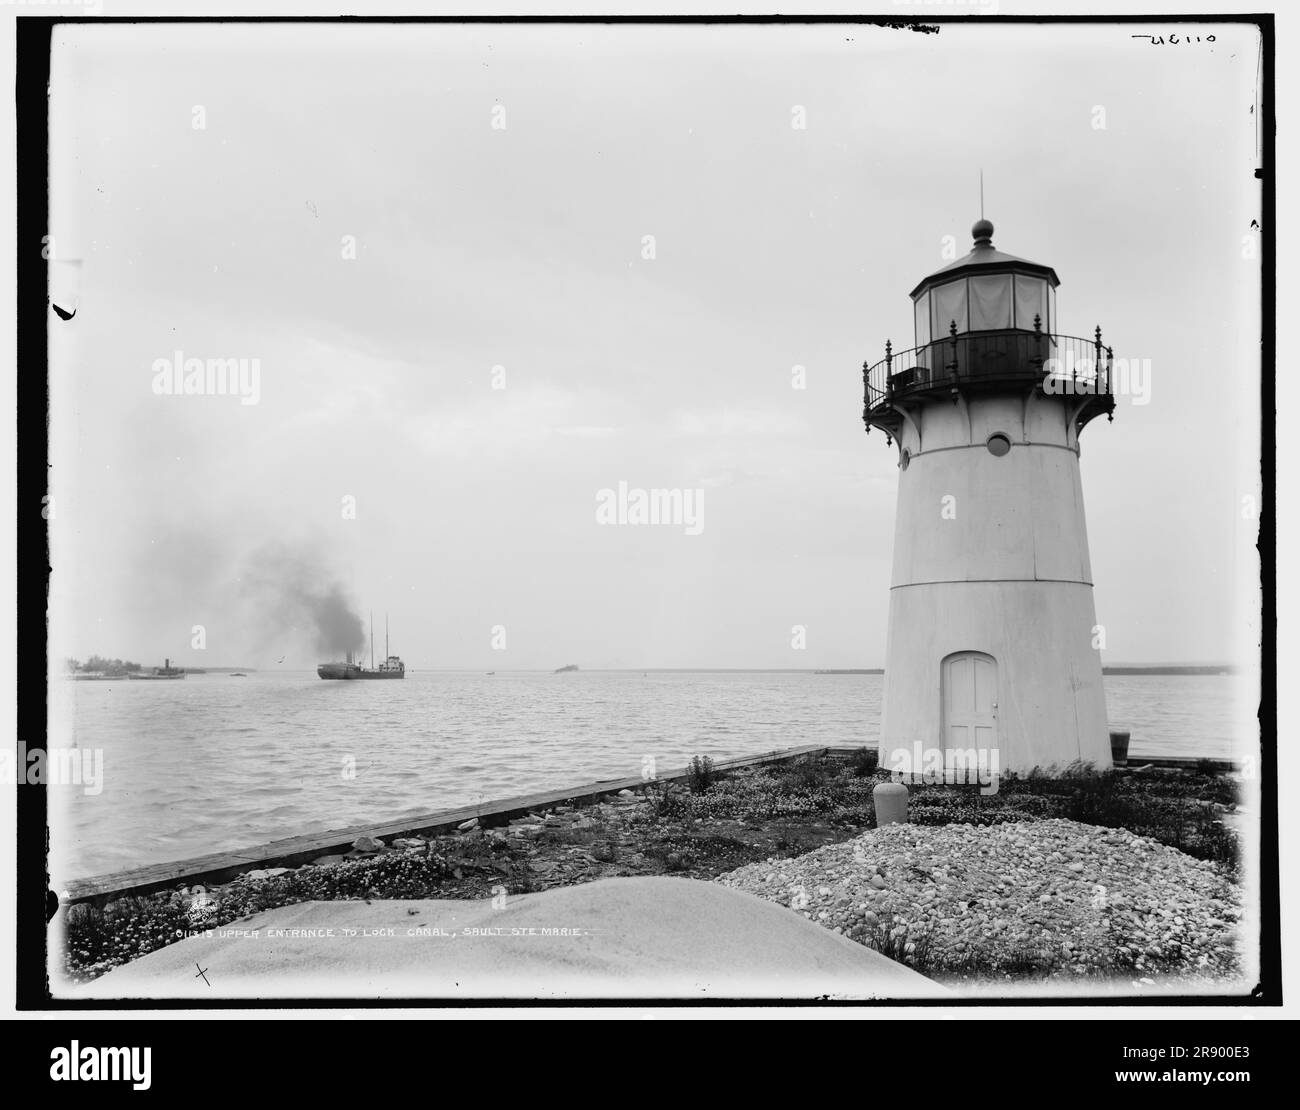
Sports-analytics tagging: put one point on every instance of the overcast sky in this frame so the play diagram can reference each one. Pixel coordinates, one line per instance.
(480, 247)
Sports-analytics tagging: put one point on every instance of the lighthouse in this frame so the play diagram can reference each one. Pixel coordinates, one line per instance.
(993, 645)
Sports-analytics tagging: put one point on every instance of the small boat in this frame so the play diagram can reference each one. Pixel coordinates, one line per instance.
(566, 668)
(165, 671)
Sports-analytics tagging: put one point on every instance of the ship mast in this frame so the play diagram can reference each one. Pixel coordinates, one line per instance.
(385, 635)
(372, 639)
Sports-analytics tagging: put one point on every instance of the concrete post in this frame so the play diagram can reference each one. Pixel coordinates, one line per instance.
(891, 803)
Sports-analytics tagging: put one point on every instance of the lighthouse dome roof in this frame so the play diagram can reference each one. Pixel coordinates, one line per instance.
(985, 258)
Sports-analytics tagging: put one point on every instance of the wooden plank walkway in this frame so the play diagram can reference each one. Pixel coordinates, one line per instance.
(1180, 762)
(221, 867)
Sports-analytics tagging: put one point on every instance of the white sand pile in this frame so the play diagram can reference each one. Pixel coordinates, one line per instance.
(634, 937)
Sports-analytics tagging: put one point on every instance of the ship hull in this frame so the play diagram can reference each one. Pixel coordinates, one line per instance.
(346, 673)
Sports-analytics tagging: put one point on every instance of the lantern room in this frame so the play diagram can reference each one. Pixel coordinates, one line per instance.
(987, 323)
(985, 291)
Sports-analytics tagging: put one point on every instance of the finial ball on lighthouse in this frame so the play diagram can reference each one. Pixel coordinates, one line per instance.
(982, 233)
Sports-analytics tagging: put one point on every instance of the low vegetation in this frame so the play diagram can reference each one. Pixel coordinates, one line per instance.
(700, 774)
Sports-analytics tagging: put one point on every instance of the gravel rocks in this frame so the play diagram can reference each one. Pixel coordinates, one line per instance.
(1038, 899)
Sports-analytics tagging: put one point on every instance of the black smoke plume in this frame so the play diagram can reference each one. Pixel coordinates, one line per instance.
(295, 595)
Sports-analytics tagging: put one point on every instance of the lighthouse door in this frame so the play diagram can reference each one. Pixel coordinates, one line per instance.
(970, 701)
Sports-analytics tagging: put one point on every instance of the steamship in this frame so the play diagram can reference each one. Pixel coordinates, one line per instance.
(165, 671)
(391, 667)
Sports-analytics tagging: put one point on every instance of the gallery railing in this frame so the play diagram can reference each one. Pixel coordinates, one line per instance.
(989, 359)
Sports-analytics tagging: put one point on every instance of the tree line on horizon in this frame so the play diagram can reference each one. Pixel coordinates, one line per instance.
(98, 665)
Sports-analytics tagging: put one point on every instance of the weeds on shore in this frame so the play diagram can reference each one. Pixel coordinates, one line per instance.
(864, 762)
(811, 789)
(700, 774)
(659, 802)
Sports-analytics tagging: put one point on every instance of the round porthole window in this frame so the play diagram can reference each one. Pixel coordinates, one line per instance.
(904, 459)
(998, 444)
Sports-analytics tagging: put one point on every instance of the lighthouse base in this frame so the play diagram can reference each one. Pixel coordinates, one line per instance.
(1004, 670)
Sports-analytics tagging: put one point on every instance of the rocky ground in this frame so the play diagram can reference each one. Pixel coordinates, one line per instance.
(1042, 899)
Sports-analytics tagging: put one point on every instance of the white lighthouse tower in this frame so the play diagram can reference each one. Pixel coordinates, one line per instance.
(992, 644)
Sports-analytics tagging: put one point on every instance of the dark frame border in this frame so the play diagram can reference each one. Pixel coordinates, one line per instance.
(35, 903)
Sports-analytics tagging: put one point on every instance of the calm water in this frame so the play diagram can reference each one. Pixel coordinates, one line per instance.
(214, 762)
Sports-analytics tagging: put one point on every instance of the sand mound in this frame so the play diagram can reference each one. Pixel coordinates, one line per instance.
(616, 938)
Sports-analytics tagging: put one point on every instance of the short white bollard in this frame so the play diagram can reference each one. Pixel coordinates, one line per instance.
(891, 803)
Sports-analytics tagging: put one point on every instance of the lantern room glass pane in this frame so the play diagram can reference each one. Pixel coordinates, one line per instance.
(1050, 326)
(990, 302)
(1031, 301)
(949, 304)
(923, 319)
